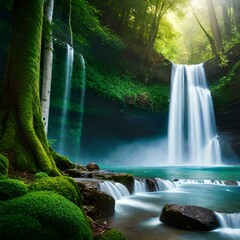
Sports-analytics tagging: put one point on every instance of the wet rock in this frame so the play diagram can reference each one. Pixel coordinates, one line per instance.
(96, 203)
(231, 183)
(189, 217)
(92, 167)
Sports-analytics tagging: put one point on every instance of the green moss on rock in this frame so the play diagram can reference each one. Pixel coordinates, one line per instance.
(112, 234)
(42, 215)
(61, 185)
(10, 188)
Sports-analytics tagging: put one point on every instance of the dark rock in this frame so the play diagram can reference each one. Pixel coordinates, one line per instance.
(189, 217)
(97, 203)
(231, 183)
(75, 173)
(92, 167)
(151, 185)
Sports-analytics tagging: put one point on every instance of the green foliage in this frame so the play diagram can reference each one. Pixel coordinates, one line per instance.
(112, 234)
(42, 216)
(61, 185)
(124, 88)
(226, 91)
(223, 61)
(3, 165)
(10, 188)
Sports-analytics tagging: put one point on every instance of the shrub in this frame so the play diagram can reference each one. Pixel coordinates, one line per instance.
(42, 215)
(61, 185)
(11, 188)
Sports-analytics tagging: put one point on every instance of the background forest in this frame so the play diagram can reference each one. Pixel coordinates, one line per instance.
(128, 47)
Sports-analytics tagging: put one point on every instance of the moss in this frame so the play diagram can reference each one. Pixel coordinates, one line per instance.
(42, 215)
(125, 179)
(3, 165)
(112, 234)
(61, 185)
(11, 189)
(41, 175)
(62, 162)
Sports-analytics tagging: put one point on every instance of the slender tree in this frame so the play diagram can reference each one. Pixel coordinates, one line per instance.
(226, 19)
(48, 62)
(22, 137)
(214, 26)
(210, 38)
(236, 9)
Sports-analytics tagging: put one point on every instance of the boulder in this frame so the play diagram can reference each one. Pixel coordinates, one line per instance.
(189, 217)
(92, 167)
(97, 204)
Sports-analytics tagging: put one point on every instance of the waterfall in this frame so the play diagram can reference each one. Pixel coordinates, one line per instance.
(67, 91)
(162, 184)
(152, 185)
(82, 98)
(140, 185)
(192, 136)
(228, 220)
(116, 190)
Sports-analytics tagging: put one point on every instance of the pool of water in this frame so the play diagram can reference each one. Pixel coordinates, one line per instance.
(187, 172)
(137, 216)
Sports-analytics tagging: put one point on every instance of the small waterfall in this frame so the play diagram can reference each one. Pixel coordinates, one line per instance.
(67, 92)
(140, 185)
(152, 185)
(203, 181)
(228, 220)
(116, 190)
(192, 136)
(162, 184)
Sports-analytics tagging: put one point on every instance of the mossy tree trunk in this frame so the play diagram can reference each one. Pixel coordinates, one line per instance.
(22, 137)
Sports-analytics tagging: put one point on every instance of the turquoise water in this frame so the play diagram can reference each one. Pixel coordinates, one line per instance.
(210, 173)
(137, 216)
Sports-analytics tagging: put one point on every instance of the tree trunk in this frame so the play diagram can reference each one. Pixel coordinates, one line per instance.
(214, 26)
(47, 66)
(210, 38)
(236, 9)
(226, 20)
(22, 137)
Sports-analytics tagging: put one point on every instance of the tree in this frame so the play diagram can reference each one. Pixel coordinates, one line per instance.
(209, 37)
(226, 19)
(22, 137)
(214, 26)
(48, 61)
(161, 8)
(236, 9)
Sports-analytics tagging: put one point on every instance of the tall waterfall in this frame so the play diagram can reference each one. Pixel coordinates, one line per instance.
(67, 92)
(82, 98)
(192, 136)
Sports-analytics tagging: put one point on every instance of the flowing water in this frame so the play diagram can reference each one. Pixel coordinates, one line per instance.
(82, 99)
(137, 216)
(192, 136)
(66, 98)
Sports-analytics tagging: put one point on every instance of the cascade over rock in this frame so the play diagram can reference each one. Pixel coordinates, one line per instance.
(192, 135)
